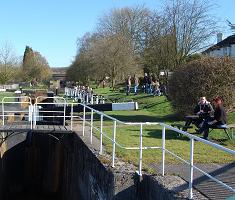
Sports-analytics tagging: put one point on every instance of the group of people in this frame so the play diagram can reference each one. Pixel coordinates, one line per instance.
(150, 85)
(208, 116)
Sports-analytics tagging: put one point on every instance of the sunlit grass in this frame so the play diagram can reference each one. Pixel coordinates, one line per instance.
(158, 109)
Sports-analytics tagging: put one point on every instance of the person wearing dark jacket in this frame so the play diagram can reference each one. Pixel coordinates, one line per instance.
(203, 110)
(219, 119)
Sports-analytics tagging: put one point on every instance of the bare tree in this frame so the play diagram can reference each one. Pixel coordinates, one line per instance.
(181, 29)
(8, 63)
(114, 57)
(191, 24)
(130, 22)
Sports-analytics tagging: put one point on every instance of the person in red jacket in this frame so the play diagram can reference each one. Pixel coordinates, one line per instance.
(219, 119)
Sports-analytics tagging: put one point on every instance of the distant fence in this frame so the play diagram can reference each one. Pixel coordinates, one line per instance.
(9, 87)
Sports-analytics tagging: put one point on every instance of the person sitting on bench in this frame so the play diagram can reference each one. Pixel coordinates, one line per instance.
(203, 110)
(219, 119)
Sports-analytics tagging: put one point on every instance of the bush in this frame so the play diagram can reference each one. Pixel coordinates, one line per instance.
(207, 76)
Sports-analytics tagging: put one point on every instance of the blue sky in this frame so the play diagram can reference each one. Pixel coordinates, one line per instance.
(53, 26)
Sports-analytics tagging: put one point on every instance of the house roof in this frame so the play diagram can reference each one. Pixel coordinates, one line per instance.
(224, 43)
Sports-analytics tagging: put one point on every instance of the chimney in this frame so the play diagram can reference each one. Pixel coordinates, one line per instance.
(219, 37)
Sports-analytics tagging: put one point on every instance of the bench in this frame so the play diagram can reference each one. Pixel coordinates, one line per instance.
(181, 127)
(226, 129)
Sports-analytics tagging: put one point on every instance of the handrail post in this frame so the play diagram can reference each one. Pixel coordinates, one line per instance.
(141, 149)
(34, 113)
(30, 115)
(84, 120)
(87, 99)
(101, 134)
(92, 112)
(3, 117)
(71, 119)
(64, 112)
(114, 142)
(191, 169)
(163, 149)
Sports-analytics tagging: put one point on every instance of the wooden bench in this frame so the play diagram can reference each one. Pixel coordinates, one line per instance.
(226, 129)
(181, 126)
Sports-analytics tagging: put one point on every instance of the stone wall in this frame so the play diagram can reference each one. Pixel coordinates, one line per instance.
(62, 167)
(84, 175)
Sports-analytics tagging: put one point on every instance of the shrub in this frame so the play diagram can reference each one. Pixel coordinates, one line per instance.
(207, 76)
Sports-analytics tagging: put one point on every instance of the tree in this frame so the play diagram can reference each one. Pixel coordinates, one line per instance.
(207, 76)
(8, 64)
(131, 23)
(191, 25)
(99, 57)
(115, 57)
(35, 67)
(183, 28)
(82, 67)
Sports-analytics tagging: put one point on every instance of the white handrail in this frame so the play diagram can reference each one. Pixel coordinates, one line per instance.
(164, 126)
(16, 102)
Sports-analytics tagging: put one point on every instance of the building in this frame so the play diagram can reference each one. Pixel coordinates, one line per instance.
(224, 47)
(59, 77)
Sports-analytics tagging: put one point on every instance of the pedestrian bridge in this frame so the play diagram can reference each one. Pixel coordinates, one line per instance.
(28, 121)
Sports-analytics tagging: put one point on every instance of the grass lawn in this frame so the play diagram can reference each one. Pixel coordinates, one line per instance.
(7, 94)
(158, 109)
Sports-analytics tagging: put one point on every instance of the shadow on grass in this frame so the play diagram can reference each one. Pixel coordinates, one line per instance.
(153, 104)
(146, 118)
(170, 135)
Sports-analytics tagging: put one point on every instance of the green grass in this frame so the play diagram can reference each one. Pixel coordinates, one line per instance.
(7, 94)
(159, 109)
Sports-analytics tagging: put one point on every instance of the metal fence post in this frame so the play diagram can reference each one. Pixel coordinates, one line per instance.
(87, 99)
(64, 113)
(141, 149)
(191, 169)
(101, 134)
(114, 142)
(3, 116)
(33, 115)
(163, 149)
(30, 115)
(84, 120)
(71, 119)
(92, 112)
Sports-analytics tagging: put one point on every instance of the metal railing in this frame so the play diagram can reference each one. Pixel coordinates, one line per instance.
(140, 147)
(189, 162)
(8, 112)
(84, 96)
(37, 104)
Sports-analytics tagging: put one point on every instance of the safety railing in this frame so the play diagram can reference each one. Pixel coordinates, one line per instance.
(92, 126)
(84, 96)
(189, 162)
(38, 104)
(7, 113)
